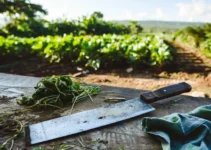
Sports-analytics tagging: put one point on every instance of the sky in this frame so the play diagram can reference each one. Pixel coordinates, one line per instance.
(167, 10)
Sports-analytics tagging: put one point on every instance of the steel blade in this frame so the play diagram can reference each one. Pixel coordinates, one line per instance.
(86, 120)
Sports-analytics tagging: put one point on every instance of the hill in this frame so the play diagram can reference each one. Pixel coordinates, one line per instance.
(163, 26)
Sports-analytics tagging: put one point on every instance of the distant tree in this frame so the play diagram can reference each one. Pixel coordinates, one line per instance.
(24, 18)
(135, 27)
(20, 7)
(97, 15)
(207, 27)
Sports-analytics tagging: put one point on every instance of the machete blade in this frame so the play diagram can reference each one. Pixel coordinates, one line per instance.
(86, 120)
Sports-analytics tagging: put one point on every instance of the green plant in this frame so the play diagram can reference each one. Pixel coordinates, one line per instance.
(196, 37)
(57, 91)
(91, 51)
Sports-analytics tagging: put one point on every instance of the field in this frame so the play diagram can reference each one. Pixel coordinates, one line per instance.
(142, 55)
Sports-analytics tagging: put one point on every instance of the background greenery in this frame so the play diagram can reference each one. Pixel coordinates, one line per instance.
(198, 37)
(91, 41)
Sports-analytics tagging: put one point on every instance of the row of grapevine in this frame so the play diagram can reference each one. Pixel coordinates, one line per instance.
(94, 51)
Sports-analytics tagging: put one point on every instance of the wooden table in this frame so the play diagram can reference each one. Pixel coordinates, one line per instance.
(127, 135)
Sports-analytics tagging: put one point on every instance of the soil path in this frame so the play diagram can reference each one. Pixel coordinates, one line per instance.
(189, 59)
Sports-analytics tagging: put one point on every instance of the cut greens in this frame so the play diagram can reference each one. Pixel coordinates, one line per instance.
(56, 91)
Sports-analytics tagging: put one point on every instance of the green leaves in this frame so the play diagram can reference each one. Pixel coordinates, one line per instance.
(58, 91)
(206, 47)
(95, 64)
(91, 51)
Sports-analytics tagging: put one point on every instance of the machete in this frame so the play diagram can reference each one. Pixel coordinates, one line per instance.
(94, 118)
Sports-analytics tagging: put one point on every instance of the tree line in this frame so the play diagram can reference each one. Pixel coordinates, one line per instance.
(27, 20)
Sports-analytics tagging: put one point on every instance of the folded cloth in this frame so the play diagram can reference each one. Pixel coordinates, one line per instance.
(188, 131)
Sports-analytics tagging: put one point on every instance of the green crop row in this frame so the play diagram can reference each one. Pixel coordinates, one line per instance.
(92, 51)
(196, 37)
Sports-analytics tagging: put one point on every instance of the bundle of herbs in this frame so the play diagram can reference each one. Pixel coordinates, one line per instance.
(57, 91)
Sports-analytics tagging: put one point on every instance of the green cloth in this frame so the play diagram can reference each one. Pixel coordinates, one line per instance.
(188, 131)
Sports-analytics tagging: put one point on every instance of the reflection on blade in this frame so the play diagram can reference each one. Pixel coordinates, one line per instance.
(86, 120)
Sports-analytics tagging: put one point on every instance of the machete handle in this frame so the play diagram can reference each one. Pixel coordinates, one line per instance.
(165, 92)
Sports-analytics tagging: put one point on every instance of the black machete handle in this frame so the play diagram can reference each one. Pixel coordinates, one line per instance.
(165, 92)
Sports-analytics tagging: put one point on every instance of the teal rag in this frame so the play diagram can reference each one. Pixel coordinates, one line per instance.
(188, 131)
